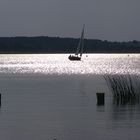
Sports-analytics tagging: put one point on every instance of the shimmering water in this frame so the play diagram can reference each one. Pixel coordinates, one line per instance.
(46, 97)
(59, 64)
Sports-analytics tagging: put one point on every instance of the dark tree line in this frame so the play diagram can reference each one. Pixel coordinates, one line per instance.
(64, 45)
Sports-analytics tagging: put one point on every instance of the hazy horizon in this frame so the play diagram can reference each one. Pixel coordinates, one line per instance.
(104, 19)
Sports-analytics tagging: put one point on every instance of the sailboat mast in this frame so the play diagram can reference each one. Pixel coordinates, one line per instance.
(80, 45)
(82, 41)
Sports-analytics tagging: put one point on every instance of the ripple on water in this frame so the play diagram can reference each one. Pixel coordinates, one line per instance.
(59, 64)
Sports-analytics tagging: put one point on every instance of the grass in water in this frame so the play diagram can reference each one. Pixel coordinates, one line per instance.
(125, 88)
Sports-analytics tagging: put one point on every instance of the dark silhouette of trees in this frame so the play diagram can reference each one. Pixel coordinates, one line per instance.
(46, 44)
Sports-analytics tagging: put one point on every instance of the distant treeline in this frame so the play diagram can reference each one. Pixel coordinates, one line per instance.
(64, 45)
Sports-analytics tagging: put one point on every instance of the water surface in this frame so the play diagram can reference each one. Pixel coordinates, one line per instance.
(47, 96)
(59, 64)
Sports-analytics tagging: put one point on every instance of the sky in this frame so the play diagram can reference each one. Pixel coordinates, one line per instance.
(113, 20)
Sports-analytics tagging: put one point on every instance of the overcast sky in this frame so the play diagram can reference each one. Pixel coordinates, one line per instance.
(115, 20)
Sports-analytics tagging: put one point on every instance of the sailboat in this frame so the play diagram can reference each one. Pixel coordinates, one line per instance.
(79, 50)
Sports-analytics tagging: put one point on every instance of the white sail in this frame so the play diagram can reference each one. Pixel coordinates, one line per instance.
(79, 49)
(81, 43)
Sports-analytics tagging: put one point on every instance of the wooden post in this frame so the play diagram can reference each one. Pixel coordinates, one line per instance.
(100, 98)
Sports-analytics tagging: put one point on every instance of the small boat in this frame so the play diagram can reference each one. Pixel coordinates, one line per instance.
(79, 50)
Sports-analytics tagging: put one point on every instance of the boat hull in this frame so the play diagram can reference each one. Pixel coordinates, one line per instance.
(74, 58)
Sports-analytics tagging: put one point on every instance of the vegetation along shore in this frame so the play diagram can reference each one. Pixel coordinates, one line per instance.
(44, 44)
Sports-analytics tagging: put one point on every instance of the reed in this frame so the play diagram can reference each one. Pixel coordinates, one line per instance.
(124, 87)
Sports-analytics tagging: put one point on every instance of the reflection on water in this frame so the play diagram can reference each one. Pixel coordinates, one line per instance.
(45, 107)
(59, 64)
(125, 106)
(126, 101)
(125, 115)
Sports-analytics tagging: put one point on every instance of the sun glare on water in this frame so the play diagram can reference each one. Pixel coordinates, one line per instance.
(60, 64)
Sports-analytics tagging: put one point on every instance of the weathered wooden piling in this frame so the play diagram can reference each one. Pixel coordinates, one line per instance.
(100, 98)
